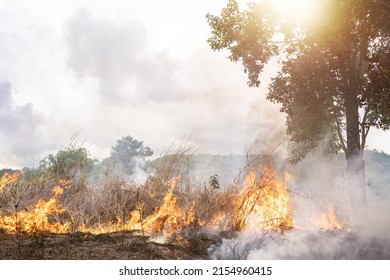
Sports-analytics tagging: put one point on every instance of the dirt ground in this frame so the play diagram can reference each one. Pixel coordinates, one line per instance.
(134, 246)
(115, 246)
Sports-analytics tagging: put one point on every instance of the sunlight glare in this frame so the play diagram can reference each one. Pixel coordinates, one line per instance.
(293, 8)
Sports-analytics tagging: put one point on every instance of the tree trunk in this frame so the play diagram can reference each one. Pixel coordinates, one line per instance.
(356, 178)
(357, 187)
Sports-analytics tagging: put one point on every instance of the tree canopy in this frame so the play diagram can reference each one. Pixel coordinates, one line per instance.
(334, 80)
(127, 149)
(68, 162)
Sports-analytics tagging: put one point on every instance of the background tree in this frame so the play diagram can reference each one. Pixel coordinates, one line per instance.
(335, 77)
(127, 149)
(67, 163)
(8, 171)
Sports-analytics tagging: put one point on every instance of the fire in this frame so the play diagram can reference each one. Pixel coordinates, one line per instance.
(263, 203)
(328, 220)
(8, 179)
(132, 223)
(168, 219)
(38, 218)
(221, 222)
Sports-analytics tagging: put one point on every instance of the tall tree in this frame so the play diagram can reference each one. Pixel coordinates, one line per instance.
(127, 149)
(334, 80)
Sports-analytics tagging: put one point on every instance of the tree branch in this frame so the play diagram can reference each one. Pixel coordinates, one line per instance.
(365, 129)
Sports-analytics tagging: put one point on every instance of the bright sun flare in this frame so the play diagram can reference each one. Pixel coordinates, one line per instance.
(293, 8)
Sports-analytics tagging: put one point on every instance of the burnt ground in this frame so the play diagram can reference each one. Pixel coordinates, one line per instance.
(114, 246)
(304, 245)
(133, 246)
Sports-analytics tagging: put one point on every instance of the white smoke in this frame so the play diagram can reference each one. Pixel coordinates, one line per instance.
(317, 182)
(139, 174)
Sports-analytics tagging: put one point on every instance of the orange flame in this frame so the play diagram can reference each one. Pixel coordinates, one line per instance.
(133, 223)
(9, 179)
(37, 219)
(263, 203)
(167, 219)
(220, 222)
(328, 220)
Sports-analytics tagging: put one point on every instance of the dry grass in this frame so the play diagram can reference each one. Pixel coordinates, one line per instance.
(102, 203)
(109, 197)
(113, 197)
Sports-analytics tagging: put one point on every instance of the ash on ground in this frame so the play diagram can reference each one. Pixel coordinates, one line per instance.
(302, 245)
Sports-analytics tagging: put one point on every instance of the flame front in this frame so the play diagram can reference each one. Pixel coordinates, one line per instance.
(37, 219)
(8, 179)
(263, 203)
(167, 219)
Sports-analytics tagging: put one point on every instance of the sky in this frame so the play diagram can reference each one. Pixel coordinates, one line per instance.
(102, 70)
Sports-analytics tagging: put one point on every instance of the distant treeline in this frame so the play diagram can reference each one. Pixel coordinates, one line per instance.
(199, 168)
(7, 170)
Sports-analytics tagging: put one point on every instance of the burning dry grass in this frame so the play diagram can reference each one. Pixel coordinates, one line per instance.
(7, 179)
(328, 220)
(164, 207)
(37, 219)
(263, 203)
(118, 206)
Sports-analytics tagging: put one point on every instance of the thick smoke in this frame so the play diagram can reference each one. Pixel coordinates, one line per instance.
(299, 244)
(317, 183)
